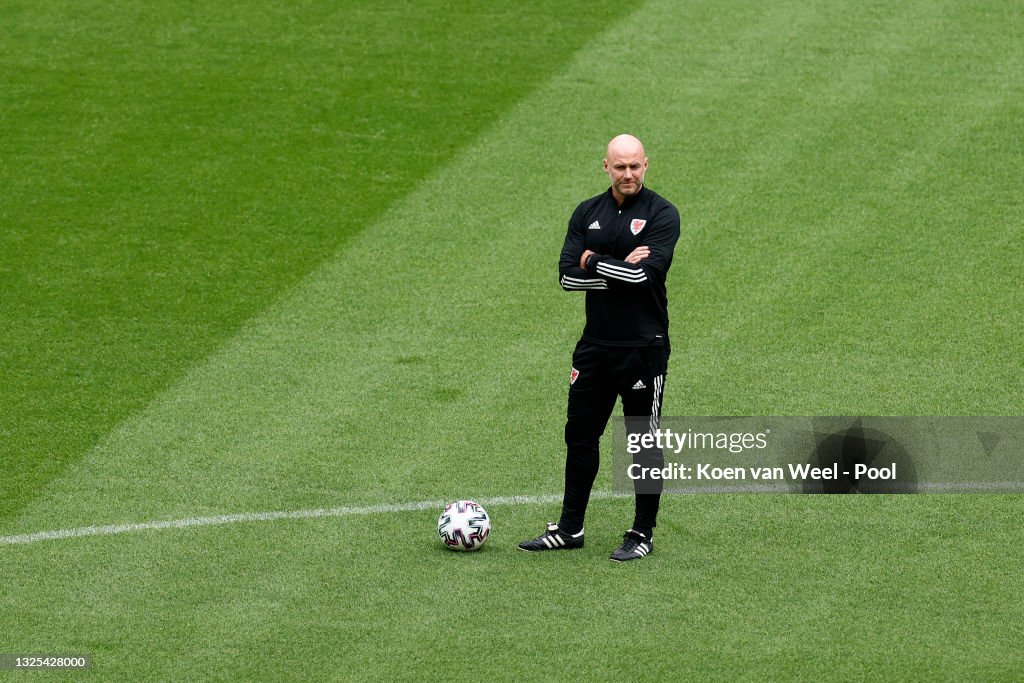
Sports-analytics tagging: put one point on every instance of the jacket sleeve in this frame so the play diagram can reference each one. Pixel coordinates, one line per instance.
(571, 277)
(662, 235)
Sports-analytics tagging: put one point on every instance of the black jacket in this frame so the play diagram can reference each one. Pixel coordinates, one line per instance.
(626, 303)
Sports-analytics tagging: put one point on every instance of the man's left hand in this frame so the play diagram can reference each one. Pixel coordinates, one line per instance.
(638, 254)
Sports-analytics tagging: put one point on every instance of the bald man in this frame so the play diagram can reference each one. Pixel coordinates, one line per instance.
(618, 250)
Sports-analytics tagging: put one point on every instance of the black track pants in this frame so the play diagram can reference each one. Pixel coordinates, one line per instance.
(599, 375)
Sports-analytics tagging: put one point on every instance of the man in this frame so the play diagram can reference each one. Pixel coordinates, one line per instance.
(618, 250)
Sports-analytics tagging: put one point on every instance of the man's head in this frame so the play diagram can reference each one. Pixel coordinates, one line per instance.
(625, 164)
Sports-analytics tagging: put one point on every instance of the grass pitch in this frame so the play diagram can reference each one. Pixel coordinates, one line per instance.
(261, 259)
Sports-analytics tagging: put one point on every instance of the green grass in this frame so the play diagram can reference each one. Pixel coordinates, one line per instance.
(743, 587)
(246, 270)
(170, 169)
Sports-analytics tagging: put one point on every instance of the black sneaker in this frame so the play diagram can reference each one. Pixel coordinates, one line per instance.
(553, 539)
(634, 546)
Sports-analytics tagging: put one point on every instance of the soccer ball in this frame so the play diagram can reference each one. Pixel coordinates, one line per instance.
(464, 525)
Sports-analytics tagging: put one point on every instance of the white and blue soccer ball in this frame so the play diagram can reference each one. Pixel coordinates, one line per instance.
(464, 525)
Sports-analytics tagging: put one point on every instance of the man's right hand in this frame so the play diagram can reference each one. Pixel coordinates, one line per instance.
(638, 254)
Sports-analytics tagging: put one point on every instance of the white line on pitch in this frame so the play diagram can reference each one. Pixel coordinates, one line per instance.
(114, 529)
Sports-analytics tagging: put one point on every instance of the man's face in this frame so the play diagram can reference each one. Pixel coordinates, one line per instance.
(626, 169)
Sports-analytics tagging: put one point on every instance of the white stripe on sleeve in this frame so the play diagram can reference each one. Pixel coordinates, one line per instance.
(634, 275)
(581, 284)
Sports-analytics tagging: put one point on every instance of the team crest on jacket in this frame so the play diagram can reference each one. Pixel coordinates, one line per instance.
(636, 225)
(573, 374)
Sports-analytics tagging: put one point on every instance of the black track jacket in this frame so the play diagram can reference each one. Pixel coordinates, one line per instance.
(626, 303)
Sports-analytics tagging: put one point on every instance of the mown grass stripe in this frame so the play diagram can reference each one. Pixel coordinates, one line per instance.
(152, 205)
